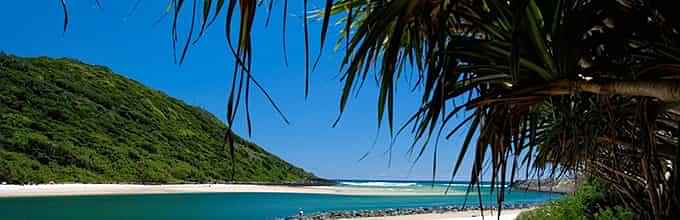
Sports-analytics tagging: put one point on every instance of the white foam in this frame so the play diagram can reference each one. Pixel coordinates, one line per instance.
(407, 184)
(378, 184)
(466, 185)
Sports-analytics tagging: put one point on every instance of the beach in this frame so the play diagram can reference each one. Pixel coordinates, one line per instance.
(462, 215)
(420, 211)
(132, 189)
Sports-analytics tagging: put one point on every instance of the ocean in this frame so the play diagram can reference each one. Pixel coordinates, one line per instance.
(252, 205)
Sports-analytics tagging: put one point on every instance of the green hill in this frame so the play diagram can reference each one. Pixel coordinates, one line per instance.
(65, 121)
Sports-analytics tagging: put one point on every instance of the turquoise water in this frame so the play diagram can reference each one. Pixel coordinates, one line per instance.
(228, 205)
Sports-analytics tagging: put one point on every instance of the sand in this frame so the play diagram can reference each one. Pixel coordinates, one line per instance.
(109, 189)
(464, 215)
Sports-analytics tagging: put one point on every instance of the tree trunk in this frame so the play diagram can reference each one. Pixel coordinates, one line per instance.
(664, 90)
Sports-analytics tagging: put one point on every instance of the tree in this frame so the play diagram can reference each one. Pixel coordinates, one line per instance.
(564, 85)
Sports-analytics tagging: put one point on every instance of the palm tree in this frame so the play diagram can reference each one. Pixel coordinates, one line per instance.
(562, 86)
(564, 82)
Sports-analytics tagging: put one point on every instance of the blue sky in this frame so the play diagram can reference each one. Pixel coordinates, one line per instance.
(133, 44)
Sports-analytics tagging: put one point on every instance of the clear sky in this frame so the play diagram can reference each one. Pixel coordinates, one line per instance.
(128, 40)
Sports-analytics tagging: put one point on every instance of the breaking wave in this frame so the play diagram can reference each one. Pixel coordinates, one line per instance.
(379, 184)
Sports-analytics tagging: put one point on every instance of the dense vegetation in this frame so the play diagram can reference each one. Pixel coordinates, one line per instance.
(589, 202)
(65, 121)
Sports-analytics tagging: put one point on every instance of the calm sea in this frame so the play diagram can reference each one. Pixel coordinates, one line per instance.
(247, 205)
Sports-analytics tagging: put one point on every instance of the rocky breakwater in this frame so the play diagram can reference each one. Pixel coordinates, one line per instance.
(546, 185)
(399, 211)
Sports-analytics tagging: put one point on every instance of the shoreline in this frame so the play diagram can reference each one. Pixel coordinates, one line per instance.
(436, 212)
(81, 189)
(439, 213)
(506, 214)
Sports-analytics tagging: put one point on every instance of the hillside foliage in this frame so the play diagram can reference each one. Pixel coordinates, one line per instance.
(65, 121)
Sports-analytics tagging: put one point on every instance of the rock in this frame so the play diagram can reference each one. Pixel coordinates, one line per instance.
(400, 211)
(546, 185)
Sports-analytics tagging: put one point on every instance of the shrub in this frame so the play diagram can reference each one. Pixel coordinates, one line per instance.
(588, 202)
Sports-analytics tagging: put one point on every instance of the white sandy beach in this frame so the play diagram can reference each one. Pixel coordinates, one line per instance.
(465, 215)
(110, 189)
